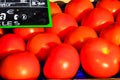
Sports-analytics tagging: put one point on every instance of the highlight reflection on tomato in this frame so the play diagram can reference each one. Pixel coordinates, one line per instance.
(62, 63)
(23, 65)
(100, 58)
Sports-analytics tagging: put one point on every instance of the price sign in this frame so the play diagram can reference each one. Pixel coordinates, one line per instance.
(25, 13)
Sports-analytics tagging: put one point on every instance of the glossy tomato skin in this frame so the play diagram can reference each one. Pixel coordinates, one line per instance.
(62, 63)
(98, 19)
(23, 65)
(77, 37)
(42, 43)
(11, 43)
(61, 23)
(112, 33)
(27, 33)
(100, 58)
(112, 5)
(55, 8)
(78, 8)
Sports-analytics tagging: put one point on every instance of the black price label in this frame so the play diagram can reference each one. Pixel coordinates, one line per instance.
(25, 13)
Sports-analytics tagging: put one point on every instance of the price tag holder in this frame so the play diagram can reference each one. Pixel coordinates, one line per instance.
(25, 13)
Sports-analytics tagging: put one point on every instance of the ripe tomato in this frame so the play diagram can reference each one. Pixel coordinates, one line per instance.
(78, 8)
(98, 19)
(112, 33)
(27, 33)
(112, 5)
(62, 63)
(42, 43)
(100, 58)
(11, 43)
(62, 24)
(79, 35)
(22, 65)
(55, 8)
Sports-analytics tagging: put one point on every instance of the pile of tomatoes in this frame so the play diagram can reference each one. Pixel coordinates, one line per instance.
(84, 37)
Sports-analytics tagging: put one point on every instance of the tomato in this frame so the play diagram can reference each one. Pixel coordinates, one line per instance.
(42, 43)
(98, 19)
(100, 58)
(23, 65)
(78, 8)
(112, 33)
(79, 35)
(11, 43)
(62, 24)
(62, 63)
(112, 5)
(55, 8)
(27, 33)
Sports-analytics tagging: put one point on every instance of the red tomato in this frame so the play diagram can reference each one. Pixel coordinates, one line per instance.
(63, 62)
(99, 58)
(98, 19)
(112, 5)
(55, 8)
(78, 8)
(112, 33)
(62, 24)
(27, 33)
(11, 43)
(79, 35)
(22, 65)
(42, 43)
